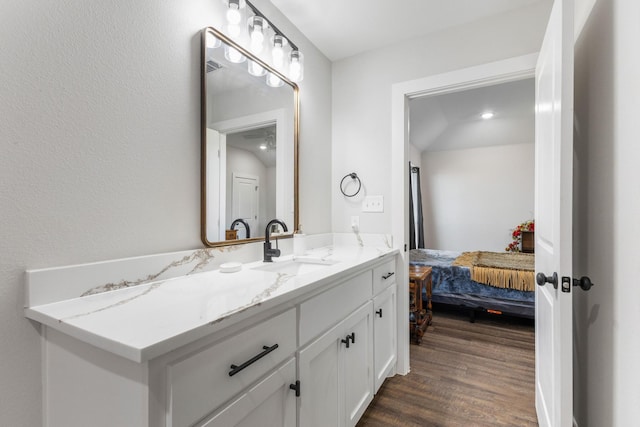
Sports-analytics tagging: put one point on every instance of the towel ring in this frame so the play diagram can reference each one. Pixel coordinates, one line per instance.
(353, 176)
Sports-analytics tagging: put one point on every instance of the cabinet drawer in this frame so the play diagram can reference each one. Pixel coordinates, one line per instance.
(201, 382)
(384, 275)
(271, 402)
(330, 307)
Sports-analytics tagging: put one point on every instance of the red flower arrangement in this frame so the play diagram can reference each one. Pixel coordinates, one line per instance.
(516, 235)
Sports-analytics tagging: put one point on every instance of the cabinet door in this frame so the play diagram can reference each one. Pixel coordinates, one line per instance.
(358, 363)
(384, 334)
(270, 403)
(320, 381)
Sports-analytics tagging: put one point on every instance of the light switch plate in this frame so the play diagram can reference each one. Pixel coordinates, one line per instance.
(373, 204)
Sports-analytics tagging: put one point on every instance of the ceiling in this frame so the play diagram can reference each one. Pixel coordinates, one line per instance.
(343, 28)
(250, 140)
(453, 121)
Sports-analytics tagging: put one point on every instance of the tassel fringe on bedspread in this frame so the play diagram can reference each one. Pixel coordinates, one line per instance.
(501, 270)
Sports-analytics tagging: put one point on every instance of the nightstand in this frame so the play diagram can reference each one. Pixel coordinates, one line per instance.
(419, 316)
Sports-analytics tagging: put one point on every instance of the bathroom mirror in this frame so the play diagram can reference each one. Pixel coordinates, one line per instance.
(249, 145)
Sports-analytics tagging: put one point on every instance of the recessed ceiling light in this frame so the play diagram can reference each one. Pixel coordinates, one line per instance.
(487, 115)
(263, 146)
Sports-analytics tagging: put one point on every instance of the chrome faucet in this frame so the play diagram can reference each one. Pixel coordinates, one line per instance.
(268, 252)
(243, 222)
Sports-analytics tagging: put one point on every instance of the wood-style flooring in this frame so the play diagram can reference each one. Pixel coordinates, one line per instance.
(463, 374)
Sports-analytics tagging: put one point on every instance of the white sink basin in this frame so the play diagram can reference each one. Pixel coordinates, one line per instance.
(295, 267)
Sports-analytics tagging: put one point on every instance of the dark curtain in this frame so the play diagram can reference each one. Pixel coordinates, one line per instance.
(415, 207)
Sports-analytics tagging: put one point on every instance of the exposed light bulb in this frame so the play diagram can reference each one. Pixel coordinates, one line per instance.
(233, 13)
(296, 66)
(277, 53)
(234, 17)
(233, 30)
(256, 69)
(487, 115)
(212, 41)
(294, 71)
(257, 25)
(257, 37)
(274, 81)
(233, 55)
(263, 146)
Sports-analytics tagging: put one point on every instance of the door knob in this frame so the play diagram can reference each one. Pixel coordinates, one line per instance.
(584, 282)
(541, 279)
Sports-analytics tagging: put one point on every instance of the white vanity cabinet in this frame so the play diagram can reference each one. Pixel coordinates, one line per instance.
(313, 359)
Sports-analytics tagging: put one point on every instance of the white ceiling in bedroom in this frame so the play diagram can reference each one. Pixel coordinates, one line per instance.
(342, 28)
(453, 121)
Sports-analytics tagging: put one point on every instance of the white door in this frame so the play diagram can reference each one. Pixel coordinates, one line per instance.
(246, 190)
(215, 222)
(553, 201)
(320, 380)
(358, 363)
(384, 335)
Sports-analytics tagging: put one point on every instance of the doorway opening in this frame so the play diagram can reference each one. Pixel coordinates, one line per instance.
(500, 72)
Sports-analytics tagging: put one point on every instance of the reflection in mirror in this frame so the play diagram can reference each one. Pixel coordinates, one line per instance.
(249, 146)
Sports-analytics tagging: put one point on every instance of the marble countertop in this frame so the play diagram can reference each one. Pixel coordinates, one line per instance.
(151, 319)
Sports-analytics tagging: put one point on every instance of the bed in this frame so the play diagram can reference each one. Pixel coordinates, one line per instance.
(452, 283)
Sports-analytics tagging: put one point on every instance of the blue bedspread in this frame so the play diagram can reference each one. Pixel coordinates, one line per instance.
(450, 284)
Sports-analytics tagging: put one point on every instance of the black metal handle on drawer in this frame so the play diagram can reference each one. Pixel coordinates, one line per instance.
(386, 276)
(235, 368)
(379, 312)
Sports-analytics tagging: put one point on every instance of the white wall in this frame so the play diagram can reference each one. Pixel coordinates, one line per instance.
(100, 142)
(362, 97)
(606, 210)
(415, 156)
(472, 199)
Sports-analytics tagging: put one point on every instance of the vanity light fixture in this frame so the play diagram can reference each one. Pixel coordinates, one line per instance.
(487, 115)
(257, 30)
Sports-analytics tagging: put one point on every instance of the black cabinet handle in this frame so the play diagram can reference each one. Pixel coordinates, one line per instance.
(351, 336)
(379, 312)
(235, 368)
(295, 387)
(386, 276)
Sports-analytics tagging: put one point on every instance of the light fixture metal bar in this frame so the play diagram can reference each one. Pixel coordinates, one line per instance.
(275, 29)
